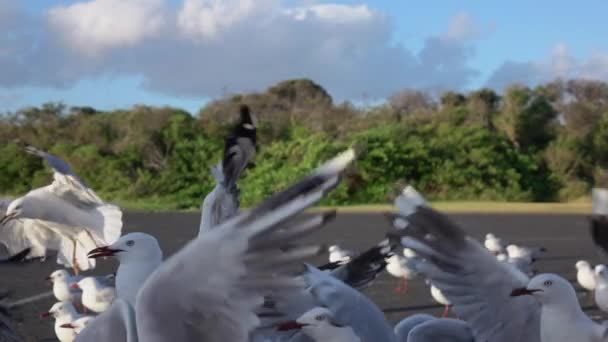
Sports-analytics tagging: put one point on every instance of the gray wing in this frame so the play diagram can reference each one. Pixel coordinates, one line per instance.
(403, 328)
(349, 307)
(478, 285)
(116, 324)
(66, 183)
(441, 330)
(240, 148)
(217, 281)
(220, 204)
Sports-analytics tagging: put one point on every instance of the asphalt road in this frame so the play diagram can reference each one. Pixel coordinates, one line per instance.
(565, 236)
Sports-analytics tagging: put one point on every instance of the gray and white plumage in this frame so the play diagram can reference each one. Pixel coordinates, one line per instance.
(441, 330)
(71, 210)
(218, 280)
(223, 201)
(348, 306)
(472, 279)
(117, 324)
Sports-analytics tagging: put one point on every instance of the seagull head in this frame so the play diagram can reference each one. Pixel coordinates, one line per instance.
(60, 309)
(59, 275)
(314, 323)
(132, 246)
(547, 288)
(582, 264)
(14, 210)
(333, 248)
(490, 236)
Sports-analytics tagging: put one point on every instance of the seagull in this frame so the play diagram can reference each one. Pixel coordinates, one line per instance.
(494, 244)
(601, 291)
(402, 268)
(70, 210)
(240, 147)
(95, 296)
(63, 312)
(233, 266)
(585, 275)
(138, 254)
(562, 318)
(515, 251)
(62, 281)
(469, 276)
(441, 299)
(79, 324)
(319, 324)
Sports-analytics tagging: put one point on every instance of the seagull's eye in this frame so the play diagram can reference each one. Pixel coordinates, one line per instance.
(320, 318)
(548, 283)
(130, 243)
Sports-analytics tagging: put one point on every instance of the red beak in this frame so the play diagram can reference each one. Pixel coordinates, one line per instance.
(522, 291)
(290, 325)
(4, 220)
(104, 251)
(45, 315)
(68, 326)
(75, 286)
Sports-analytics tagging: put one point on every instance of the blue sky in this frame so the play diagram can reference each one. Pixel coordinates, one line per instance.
(117, 53)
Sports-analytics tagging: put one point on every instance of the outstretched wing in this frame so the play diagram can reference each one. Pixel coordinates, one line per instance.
(218, 280)
(66, 183)
(473, 280)
(117, 323)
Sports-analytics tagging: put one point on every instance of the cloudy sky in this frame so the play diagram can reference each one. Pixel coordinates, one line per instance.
(116, 53)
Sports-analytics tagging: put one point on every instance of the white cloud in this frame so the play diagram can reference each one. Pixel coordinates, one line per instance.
(94, 26)
(205, 47)
(559, 64)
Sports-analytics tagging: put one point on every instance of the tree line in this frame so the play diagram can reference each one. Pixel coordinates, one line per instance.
(548, 143)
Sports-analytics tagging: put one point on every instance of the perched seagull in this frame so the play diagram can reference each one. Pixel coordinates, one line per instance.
(340, 255)
(62, 290)
(520, 252)
(441, 299)
(319, 325)
(601, 290)
(95, 296)
(233, 267)
(63, 313)
(240, 147)
(402, 268)
(70, 210)
(585, 275)
(79, 324)
(494, 244)
(139, 255)
(599, 219)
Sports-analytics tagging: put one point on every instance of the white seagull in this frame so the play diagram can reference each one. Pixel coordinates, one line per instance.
(63, 312)
(319, 325)
(585, 275)
(69, 209)
(95, 296)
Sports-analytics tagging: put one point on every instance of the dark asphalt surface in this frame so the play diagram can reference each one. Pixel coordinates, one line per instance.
(565, 236)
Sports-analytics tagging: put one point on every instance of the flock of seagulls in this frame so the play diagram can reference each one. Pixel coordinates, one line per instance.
(245, 275)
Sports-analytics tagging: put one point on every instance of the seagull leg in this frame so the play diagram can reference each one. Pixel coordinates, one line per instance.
(91, 236)
(399, 288)
(74, 263)
(405, 285)
(445, 311)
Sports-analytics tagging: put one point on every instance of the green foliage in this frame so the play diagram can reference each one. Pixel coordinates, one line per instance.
(476, 146)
